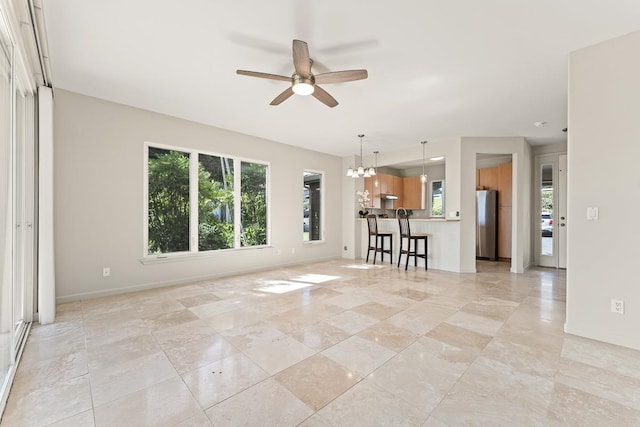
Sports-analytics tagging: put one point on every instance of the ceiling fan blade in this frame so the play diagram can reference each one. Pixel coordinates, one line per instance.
(263, 75)
(282, 97)
(301, 60)
(341, 76)
(324, 97)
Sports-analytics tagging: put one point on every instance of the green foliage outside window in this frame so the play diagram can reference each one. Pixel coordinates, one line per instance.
(168, 201)
(169, 209)
(254, 204)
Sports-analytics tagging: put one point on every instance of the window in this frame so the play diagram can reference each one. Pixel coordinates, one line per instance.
(231, 210)
(312, 206)
(436, 200)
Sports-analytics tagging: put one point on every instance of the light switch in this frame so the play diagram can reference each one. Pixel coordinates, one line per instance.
(592, 214)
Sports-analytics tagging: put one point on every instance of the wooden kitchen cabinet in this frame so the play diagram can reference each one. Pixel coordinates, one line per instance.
(504, 232)
(488, 178)
(374, 192)
(504, 184)
(386, 183)
(398, 190)
(412, 193)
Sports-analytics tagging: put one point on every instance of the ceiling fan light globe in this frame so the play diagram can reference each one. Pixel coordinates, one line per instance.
(303, 89)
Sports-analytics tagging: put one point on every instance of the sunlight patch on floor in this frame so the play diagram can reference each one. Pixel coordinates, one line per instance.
(315, 278)
(362, 266)
(280, 286)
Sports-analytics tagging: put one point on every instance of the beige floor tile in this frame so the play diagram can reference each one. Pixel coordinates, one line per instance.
(459, 337)
(219, 380)
(37, 373)
(200, 419)
(245, 337)
(46, 405)
(611, 357)
(572, 407)
(123, 350)
(112, 382)
(278, 354)
(524, 358)
(365, 405)
(112, 332)
(83, 419)
(197, 353)
(265, 404)
(360, 356)
(159, 306)
(237, 318)
(376, 310)
(423, 373)
(493, 308)
(413, 294)
(184, 333)
(351, 322)
(320, 336)
(317, 380)
(164, 404)
(43, 345)
(492, 393)
(211, 309)
(196, 300)
(421, 318)
(603, 383)
(167, 320)
(389, 336)
(480, 324)
(315, 421)
(487, 348)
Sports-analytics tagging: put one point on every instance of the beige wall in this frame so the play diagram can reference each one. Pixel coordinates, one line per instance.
(520, 152)
(603, 153)
(98, 188)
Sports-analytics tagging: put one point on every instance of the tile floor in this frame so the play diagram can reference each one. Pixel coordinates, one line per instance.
(334, 343)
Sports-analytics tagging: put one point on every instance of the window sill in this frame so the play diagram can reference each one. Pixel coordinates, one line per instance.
(188, 256)
(314, 242)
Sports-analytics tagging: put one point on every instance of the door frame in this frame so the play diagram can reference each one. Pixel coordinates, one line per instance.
(559, 203)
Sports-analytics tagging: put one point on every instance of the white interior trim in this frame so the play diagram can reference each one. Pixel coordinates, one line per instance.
(46, 266)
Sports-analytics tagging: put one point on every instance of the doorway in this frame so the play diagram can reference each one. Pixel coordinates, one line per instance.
(494, 174)
(550, 230)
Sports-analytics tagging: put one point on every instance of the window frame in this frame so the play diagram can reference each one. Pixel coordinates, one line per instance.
(431, 215)
(322, 205)
(193, 201)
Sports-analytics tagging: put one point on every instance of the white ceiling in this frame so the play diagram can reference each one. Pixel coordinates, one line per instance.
(437, 68)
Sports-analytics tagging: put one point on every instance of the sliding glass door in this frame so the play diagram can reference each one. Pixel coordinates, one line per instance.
(17, 212)
(6, 213)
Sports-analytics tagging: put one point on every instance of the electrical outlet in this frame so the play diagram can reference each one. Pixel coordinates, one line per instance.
(106, 272)
(617, 306)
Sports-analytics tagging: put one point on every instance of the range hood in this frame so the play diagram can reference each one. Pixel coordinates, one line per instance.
(389, 197)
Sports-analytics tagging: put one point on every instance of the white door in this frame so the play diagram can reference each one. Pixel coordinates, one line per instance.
(562, 211)
(550, 230)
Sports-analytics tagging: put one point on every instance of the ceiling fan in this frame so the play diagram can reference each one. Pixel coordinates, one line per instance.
(303, 81)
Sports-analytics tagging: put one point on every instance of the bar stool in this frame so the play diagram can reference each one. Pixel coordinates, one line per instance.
(405, 234)
(378, 240)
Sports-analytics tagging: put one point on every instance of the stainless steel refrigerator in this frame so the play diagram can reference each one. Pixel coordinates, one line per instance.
(487, 224)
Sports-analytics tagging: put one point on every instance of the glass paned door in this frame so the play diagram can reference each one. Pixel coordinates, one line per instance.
(6, 214)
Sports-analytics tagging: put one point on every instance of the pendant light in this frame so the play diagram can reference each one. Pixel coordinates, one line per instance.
(423, 178)
(360, 171)
(375, 183)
